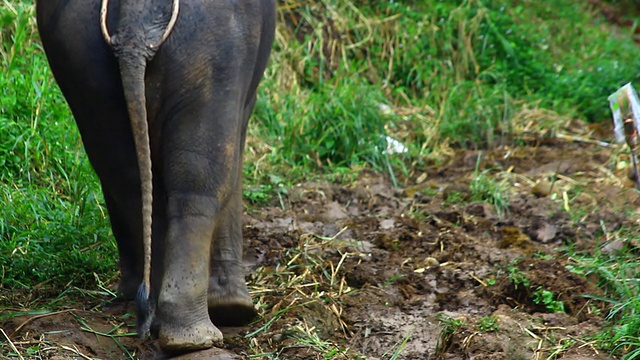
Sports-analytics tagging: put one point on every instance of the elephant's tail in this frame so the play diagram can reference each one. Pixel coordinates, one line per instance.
(133, 48)
(132, 70)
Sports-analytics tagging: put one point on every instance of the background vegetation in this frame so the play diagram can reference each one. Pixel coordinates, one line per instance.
(345, 74)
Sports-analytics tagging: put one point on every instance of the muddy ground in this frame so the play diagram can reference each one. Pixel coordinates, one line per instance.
(369, 271)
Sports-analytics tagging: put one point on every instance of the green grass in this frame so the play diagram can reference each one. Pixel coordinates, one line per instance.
(487, 189)
(51, 213)
(338, 125)
(449, 327)
(488, 324)
(452, 72)
(617, 274)
(547, 298)
(517, 276)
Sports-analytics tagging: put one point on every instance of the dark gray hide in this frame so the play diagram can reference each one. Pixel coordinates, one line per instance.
(198, 91)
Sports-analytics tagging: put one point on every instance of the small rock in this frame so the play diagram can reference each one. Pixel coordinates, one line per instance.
(613, 246)
(387, 224)
(421, 178)
(546, 233)
(430, 262)
(213, 353)
(332, 211)
(542, 189)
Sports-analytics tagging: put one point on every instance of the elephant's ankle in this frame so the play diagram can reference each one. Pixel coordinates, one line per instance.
(230, 304)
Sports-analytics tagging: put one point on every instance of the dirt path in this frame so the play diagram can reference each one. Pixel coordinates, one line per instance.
(421, 272)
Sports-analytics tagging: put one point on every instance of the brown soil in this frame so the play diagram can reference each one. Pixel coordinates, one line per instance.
(369, 270)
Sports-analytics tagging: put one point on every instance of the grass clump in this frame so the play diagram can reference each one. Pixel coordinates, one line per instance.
(486, 189)
(517, 276)
(488, 324)
(336, 126)
(547, 298)
(53, 227)
(449, 328)
(454, 73)
(616, 273)
(541, 53)
(310, 283)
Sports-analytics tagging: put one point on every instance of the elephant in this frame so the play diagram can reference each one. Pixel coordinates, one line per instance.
(162, 92)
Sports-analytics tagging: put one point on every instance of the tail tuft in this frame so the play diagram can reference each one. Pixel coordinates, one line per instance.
(145, 311)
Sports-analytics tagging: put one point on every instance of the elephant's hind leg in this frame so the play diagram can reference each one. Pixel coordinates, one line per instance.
(199, 164)
(229, 301)
(182, 302)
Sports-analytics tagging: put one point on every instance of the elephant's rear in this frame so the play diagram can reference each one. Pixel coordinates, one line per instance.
(200, 89)
(238, 43)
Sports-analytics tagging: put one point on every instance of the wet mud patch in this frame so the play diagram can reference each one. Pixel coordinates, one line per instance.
(425, 271)
(543, 286)
(428, 278)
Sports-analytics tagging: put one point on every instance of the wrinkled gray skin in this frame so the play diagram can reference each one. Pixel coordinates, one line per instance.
(200, 89)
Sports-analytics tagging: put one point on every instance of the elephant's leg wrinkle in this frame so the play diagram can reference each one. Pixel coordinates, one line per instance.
(229, 301)
(182, 303)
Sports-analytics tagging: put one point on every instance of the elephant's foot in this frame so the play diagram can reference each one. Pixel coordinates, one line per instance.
(198, 336)
(230, 305)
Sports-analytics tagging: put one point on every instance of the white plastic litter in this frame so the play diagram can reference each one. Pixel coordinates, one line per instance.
(625, 106)
(394, 146)
(385, 109)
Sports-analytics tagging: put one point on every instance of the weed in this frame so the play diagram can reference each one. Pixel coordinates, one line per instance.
(486, 189)
(488, 324)
(397, 348)
(542, 255)
(308, 338)
(450, 326)
(259, 194)
(546, 297)
(516, 275)
(431, 192)
(455, 197)
(393, 279)
(616, 274)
